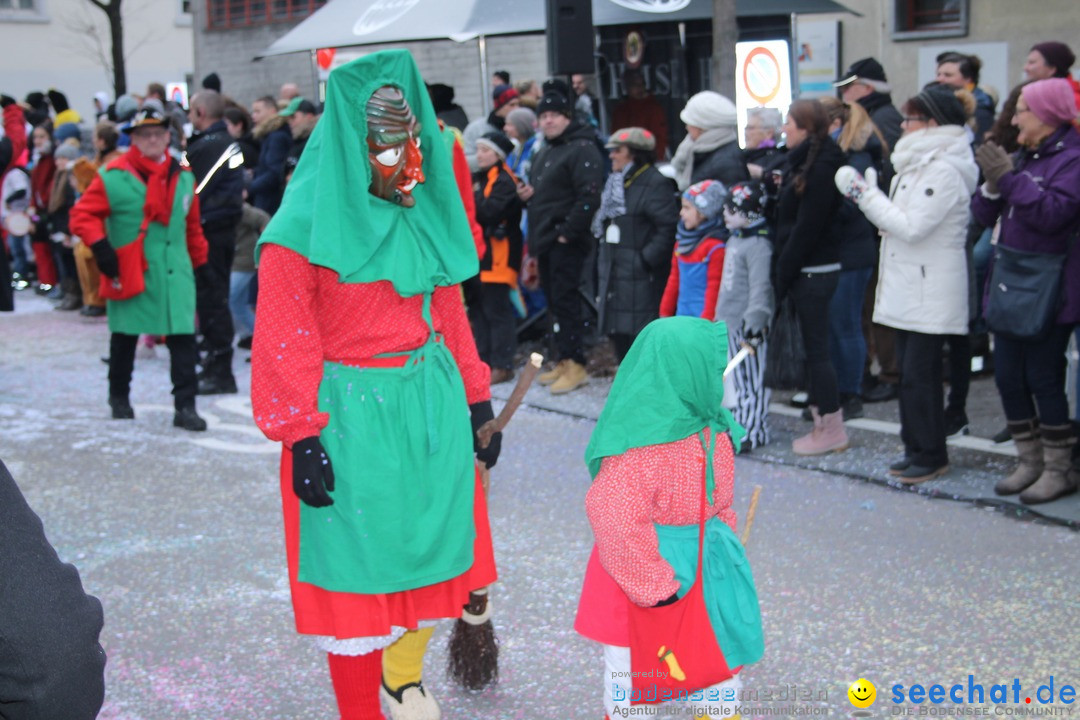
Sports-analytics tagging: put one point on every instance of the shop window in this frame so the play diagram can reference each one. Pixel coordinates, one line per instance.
(919, 19)
(224, 14)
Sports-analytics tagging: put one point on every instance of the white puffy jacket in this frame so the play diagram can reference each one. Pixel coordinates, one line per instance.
(923, 274)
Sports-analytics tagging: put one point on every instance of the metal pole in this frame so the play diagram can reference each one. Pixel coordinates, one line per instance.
(315, 77)
(602, 104)
(485, 79)
(793, 58)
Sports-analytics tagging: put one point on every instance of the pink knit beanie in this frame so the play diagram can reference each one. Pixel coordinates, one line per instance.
(1052, 100)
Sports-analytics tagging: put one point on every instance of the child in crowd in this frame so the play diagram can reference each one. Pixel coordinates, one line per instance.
(698, 263)
(746, 304)
(662, 434)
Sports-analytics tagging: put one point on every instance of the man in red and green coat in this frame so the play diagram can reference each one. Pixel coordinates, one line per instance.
(146, 198)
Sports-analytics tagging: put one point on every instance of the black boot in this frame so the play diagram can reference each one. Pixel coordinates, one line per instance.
(187, 418)
(121, 408)
(72, 295)
(217, 376)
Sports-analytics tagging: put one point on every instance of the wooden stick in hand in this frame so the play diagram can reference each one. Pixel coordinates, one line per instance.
(525, 379)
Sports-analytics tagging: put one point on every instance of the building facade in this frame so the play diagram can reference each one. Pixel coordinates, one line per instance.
(64, 44)
(906, 36)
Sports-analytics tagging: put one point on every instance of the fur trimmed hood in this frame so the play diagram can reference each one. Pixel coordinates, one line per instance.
(268, 126)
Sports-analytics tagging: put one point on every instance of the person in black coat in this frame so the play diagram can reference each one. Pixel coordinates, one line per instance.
(275, 140)
(51, 664)
(808, 261)
(563, 194)
(221, 205)
(498, 212)
(635, 226)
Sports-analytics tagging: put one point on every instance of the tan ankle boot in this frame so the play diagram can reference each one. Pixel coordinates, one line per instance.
(827, 436)
(1055, 480)
(552, 375)
(573, 376)
(1025, 434)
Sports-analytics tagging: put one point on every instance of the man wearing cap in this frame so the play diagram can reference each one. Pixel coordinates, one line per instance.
(140, 217)
(1052, 60)
(301, 115)
(865, 83)
(566, 179)
(504, 99)
(221, 203)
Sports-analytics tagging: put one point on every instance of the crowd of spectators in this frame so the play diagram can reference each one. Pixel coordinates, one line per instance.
(895, 220)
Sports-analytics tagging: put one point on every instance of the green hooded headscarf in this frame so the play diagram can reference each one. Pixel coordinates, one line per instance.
(669, 386)
(328, 214)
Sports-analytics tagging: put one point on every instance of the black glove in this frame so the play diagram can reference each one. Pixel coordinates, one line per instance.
(667, 601)
(481, 412)
(105, 255)
(6, 100)
(203, 276)
(312, 474)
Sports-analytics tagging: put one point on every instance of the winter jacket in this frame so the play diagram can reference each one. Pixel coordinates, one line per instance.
(52, 665)
(268, 183)
(566, 176)
(804, 236)
(297, 148)
(725, 164)
(984, 113)
(694, 282)
(888, 120)
(1039, 208)
(251, 226)
(498, 210)
(923, 276)
(633, 272)
(746, 296)
(858, 236)
(222, 199)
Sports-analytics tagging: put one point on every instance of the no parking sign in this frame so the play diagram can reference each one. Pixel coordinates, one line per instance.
(763, 77)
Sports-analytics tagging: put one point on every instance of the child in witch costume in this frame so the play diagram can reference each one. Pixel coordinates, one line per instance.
(364, 367)
(662, 434)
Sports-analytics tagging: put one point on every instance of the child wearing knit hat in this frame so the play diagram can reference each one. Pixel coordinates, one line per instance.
(746, 305)
(698, 263)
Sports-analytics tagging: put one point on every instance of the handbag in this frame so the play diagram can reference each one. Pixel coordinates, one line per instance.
(131, 280)
(1024, 293)
(673, 648)
(785, 358)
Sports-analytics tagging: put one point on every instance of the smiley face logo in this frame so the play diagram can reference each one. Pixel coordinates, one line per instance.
(862, 693)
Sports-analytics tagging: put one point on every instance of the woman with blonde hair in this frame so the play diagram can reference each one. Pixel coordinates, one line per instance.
(864, 147)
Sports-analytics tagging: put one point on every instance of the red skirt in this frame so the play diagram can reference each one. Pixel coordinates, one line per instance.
(603, 611)
(349, 615)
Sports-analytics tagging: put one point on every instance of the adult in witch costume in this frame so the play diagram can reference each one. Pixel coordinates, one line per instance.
(140, 218)
(662, 434)
(365, 368)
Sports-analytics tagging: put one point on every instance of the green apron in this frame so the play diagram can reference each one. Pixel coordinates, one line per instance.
(727, 583)
(400, 442)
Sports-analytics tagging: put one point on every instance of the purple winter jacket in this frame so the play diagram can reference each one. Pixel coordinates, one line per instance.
(1039, 208)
